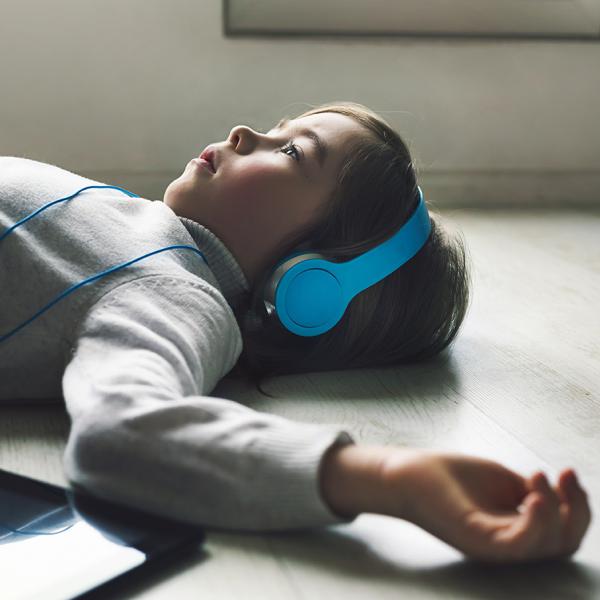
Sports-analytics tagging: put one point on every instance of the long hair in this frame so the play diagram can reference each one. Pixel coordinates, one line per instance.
(410, 315)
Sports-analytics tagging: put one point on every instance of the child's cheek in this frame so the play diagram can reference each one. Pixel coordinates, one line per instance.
(250, 185)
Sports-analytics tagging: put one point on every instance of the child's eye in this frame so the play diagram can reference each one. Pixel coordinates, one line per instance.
(292, 146)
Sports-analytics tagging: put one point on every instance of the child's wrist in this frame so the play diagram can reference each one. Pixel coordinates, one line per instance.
(351, 481)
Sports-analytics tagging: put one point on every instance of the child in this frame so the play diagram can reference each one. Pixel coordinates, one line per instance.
(142, 307)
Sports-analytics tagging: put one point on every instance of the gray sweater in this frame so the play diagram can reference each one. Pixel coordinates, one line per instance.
(135, 354)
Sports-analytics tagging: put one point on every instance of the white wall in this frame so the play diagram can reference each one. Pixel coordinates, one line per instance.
(126, 92)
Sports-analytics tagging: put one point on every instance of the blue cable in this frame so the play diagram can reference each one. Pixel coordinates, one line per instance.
(39, 210)
(93, 277)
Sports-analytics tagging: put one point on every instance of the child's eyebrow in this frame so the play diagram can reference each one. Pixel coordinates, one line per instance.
(320, 146)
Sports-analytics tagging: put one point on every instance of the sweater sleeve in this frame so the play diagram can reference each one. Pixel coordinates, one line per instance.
(144, 432)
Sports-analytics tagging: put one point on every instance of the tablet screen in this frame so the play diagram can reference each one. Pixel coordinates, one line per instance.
(57, 544)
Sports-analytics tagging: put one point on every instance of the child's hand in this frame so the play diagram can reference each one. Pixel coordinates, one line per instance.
(485, 510)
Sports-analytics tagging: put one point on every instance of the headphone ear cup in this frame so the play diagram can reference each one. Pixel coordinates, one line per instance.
(275, 276)
(313, 297)
(309, 293)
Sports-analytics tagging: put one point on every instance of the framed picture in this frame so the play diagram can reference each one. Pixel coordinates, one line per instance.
(568, 19)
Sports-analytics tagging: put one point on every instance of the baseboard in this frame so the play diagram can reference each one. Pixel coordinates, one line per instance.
(512, 189)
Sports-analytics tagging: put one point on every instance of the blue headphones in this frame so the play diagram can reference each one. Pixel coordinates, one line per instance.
(309, 293)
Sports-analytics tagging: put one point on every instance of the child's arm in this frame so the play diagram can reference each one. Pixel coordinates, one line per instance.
(471, 503)
(146, 433)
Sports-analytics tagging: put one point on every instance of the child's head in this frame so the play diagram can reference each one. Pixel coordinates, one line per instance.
(412, 314)
(267, 187)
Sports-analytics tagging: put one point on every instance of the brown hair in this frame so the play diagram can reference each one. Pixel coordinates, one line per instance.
(409, 316)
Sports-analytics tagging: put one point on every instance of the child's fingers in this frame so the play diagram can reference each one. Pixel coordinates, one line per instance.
(524, 536)
(575, 510)
(551, 523)
(536, 532)
(551, 542)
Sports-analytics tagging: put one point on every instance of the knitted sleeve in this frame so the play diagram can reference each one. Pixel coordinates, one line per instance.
(146, 434)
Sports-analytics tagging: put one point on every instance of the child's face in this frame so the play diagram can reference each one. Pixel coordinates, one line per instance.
(260, 195)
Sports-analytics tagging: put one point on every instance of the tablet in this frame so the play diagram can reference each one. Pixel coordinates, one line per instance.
(59, 544)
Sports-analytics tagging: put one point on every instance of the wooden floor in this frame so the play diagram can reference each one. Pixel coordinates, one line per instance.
(521, 386)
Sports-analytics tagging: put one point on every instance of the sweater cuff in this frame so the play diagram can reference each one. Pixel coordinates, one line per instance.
(288, 478)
